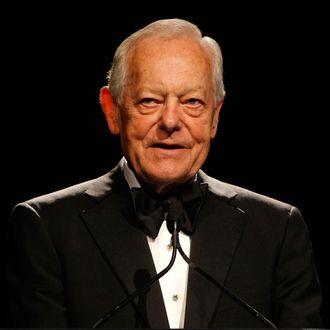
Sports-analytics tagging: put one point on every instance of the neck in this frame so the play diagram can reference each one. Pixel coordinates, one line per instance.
(164, 189)
(158, 187)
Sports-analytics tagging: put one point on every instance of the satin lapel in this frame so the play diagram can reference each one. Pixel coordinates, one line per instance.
(126, 250)
(213, 246)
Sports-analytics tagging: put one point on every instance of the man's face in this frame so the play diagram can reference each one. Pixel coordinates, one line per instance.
(168, 117)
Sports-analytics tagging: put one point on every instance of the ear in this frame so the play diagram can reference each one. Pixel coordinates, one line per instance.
(215, 118)
(110, 110)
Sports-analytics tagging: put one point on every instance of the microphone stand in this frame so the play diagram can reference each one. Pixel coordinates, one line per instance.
(220, 286)
(175, 240)
(173, 224)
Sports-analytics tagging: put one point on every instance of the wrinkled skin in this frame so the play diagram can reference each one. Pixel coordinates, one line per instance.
(167, 118)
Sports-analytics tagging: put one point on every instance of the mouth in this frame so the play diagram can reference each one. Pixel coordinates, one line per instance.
(167, 146)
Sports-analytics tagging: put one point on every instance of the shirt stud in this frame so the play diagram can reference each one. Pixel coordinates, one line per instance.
(175, 297)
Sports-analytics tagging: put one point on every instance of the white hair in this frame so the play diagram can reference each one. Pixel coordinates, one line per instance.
(165, 28)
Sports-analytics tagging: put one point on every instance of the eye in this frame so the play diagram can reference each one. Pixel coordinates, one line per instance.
(193, 106)
(193, 102)
(148, 105)
(148, 101)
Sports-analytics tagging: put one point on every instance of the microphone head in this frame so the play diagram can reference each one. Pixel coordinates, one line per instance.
(175, 211)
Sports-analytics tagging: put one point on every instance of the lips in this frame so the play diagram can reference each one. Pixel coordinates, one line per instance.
(167, 146)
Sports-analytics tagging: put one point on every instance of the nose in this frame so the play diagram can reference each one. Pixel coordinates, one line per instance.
(170, 120)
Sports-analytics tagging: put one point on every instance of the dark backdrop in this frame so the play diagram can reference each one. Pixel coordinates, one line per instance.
(273, 134)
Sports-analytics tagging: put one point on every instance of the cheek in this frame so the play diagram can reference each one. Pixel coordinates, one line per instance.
(136, 128)
(201, 131)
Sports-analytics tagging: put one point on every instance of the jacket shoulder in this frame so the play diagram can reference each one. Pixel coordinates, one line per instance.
(81, 193)
(243, 197)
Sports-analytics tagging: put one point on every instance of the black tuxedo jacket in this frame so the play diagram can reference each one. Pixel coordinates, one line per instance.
(76, 253)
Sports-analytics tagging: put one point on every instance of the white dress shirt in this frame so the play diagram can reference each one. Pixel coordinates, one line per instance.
(174, 283)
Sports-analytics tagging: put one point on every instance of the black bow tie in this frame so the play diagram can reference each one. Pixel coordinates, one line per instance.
(151, 208)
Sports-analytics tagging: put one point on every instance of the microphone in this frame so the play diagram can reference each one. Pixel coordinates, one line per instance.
(176, 209)
(172, 219)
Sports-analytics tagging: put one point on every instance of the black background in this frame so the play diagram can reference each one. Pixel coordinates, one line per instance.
(273, 132)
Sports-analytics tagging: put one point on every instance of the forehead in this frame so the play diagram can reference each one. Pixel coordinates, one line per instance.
(157, 52)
